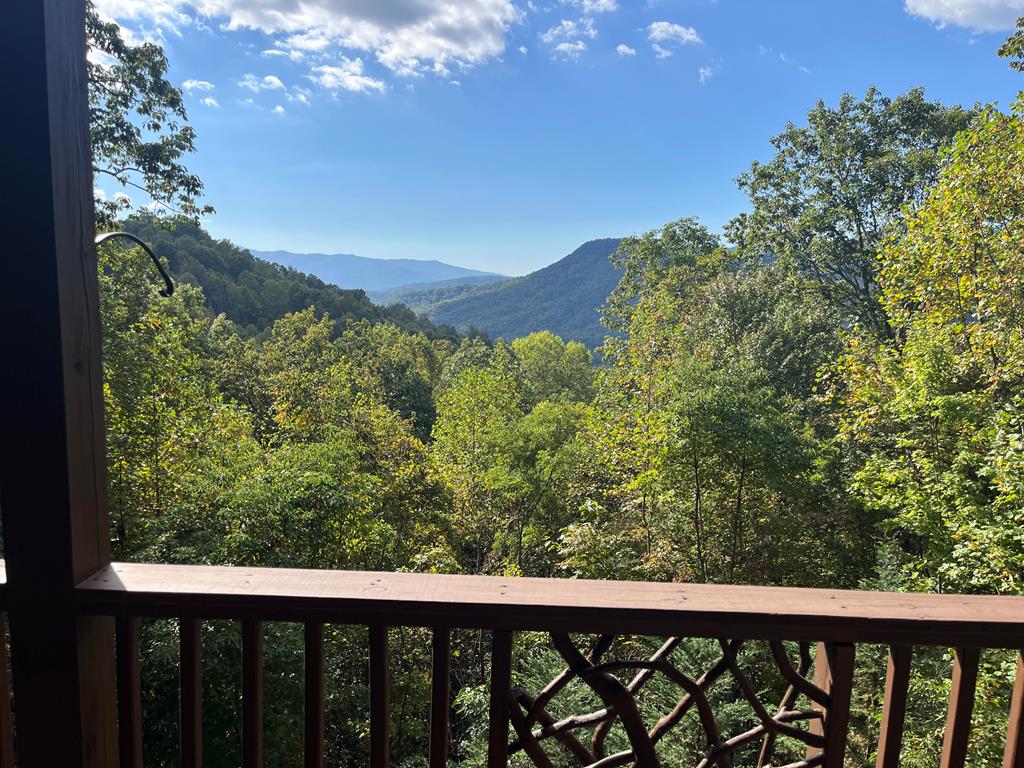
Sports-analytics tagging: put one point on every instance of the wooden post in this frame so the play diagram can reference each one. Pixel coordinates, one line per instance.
(894, 707)
(380, 711)
(833, 673)
(191, 692)
(961, 705)
(52, 459)
(440, 685)
(501, 694)
(1013, 754)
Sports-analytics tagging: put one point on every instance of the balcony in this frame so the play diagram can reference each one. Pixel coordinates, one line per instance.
(812, 636)
(74, 615)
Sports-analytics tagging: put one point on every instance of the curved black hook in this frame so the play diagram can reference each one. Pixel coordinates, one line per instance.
(168, 290)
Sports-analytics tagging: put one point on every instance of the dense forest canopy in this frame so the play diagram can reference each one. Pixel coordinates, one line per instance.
(830, 396)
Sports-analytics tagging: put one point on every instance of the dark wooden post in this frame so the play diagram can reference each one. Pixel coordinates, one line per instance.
(52, 461)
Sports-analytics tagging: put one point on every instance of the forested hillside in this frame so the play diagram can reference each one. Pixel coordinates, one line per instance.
(254, 293)
(831, 395)
(564, 297)
(424, 297)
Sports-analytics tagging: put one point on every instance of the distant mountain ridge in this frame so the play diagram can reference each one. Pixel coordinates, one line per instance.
(347, 270)
(255, 293)
(564, 298)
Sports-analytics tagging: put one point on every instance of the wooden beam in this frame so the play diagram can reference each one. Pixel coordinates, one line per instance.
(559, 605)
(1013, 755)
(129, 694)
(252, 694)
(380, 711)
(833, 673)
(961, 706)
(501, 693)
(894, 706)
(440, 685)
(191, 692)
(314, 696)
(52, 459)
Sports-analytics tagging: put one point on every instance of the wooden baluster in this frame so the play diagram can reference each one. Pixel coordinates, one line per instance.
(1013, 756)
(894, 708)
(129, 697)
(961, 704)
(379, 707)
(314, 693)
(252, 694)
(6, 734)
(833, 673)
(191, 645)
(439, 685)
(501, 688)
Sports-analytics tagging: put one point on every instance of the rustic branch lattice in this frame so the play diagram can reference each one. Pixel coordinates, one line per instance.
(533, 723)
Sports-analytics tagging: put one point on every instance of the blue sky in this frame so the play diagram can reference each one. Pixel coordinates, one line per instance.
(500, 134)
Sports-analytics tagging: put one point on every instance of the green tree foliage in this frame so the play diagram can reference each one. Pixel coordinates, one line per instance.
(938, 412)
(934, 416)
(706, 460)
(826, 200)
(138, 125)
(554, 370)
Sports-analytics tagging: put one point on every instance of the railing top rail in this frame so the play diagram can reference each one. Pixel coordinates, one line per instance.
(490, 602)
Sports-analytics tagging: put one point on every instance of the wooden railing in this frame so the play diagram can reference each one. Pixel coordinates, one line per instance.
(821, 627)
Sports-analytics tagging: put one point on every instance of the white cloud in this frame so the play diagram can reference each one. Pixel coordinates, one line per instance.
(294, 55)
(981, 15)
(570, 51)
(667, 32)
(209, 101)
(347, 77)
(266, 83)
(407, 36)
(704, 74)
(567, 29)
(298, 95)
(523, 49)
(593, 6)
(278, 110)
(624, 50)
(197, 85)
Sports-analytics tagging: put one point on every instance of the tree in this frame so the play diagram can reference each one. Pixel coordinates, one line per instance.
(475, 416)
(936, 414)
(836, 186)
(138, 125)
(554, 370)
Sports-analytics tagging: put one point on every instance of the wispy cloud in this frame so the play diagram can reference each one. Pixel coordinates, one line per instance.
(209, 101)
(265, 83)
(662, 34)
(704, 74)
(624, 50)
(197, 85)
(348, 76)
(568, 29)
(570, 51)
(980, 15)
(593, 6)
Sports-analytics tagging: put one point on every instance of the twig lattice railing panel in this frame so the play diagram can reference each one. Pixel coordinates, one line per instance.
(820, 726)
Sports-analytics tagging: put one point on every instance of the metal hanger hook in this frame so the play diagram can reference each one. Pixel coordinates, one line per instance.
(168, 289)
